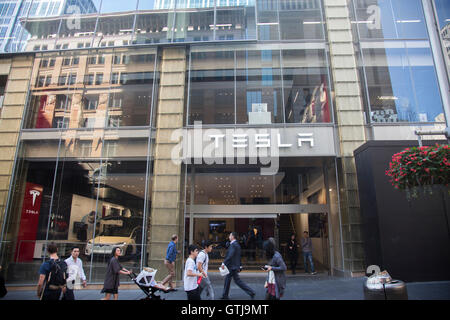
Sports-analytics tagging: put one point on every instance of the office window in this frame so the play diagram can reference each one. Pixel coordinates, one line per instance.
(48, 80)
(72, 78)
(40, 82)
(116, 59)
(61, 122)
(99, 79)
(90, 102)
(63, 102)
(101, 60)
(115, 100)
(115, 78)
(89, 79)
(62, 80)
(114, 121)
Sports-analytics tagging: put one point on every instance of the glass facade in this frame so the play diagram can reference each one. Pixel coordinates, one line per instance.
(85, 148)
(259, 86)
(84, 164)
(241, 189)
(396, 62)
(243, 184)
(442, 10)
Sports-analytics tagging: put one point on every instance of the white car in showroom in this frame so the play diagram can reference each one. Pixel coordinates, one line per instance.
(116, 233)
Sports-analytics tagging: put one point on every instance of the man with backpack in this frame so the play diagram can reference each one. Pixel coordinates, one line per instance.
(202, 266)
(52, 276)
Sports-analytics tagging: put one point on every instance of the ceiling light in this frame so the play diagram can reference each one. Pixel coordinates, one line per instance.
(408, 21)
(267, 24)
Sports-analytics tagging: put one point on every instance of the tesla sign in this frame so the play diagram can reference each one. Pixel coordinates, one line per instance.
(29, 220)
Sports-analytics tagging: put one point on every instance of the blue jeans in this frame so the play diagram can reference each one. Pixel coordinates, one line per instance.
(308, 255)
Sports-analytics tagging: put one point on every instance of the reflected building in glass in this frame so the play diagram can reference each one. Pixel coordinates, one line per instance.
(123, 123)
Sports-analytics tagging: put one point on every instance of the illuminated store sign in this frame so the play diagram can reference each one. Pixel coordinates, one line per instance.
(251, 145)
(262, 140)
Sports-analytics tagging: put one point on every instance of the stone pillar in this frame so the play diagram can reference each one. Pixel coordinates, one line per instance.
(350, 125)
(167, 209)
(19, 71)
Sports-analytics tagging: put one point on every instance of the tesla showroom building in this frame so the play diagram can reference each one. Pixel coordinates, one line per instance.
(124, 122)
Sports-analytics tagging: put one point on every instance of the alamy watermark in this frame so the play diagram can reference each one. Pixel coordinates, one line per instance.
(258, 146)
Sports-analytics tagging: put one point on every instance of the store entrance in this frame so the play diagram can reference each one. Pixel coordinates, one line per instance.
(300, 197)
(254, 232)
(317, 226)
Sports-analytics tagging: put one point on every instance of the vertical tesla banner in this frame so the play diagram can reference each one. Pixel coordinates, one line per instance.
(29, 222)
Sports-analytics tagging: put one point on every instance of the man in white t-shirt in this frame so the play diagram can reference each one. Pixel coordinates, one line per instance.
(202, 266)
(191, 274)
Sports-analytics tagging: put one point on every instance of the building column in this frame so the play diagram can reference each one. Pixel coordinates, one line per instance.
(19, 71)
(350, 127)
(167, 215)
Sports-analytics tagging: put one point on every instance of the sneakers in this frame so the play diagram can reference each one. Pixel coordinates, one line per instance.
(313, 273)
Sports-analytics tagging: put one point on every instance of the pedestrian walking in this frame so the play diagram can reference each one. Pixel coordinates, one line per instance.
(202, 266)
(191, 275)
(169, 262)
(112, 283)
(233, 263)
(276, 278)
(293, 252)
(52, 276)
(251, 243)
(3, 290)
(76, 273)
(307, 252)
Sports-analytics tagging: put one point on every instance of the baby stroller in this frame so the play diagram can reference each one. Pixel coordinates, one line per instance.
(146, 281)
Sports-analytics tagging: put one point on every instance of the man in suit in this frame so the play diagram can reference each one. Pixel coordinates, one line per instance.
(233, 263)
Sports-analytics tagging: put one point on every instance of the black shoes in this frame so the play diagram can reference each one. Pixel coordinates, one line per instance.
(252, 296)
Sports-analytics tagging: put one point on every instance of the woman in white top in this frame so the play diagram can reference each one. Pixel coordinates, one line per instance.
(191, 274)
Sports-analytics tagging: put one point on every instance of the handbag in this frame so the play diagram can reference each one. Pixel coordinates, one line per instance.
(224, 271)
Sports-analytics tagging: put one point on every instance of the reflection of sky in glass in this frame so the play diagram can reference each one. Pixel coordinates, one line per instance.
(118, 6)
(402, 19)
(414, 84)
(412, 76)
(146, 5)
(443, 12)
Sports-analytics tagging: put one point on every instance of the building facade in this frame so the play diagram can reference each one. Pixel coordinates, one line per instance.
(123, 124)
(13, 33)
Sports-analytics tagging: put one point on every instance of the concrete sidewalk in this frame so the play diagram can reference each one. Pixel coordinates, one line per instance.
(299, 287)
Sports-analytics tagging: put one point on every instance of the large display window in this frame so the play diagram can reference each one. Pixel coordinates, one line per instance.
(442, 9)
(94, 204)
(83, 169)
(259, 87)
(87, 90)
(396, 62)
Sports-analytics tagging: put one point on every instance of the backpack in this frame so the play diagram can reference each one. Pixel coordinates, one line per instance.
(58, 273)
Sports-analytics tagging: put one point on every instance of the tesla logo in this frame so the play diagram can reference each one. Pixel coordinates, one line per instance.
(35, 194)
